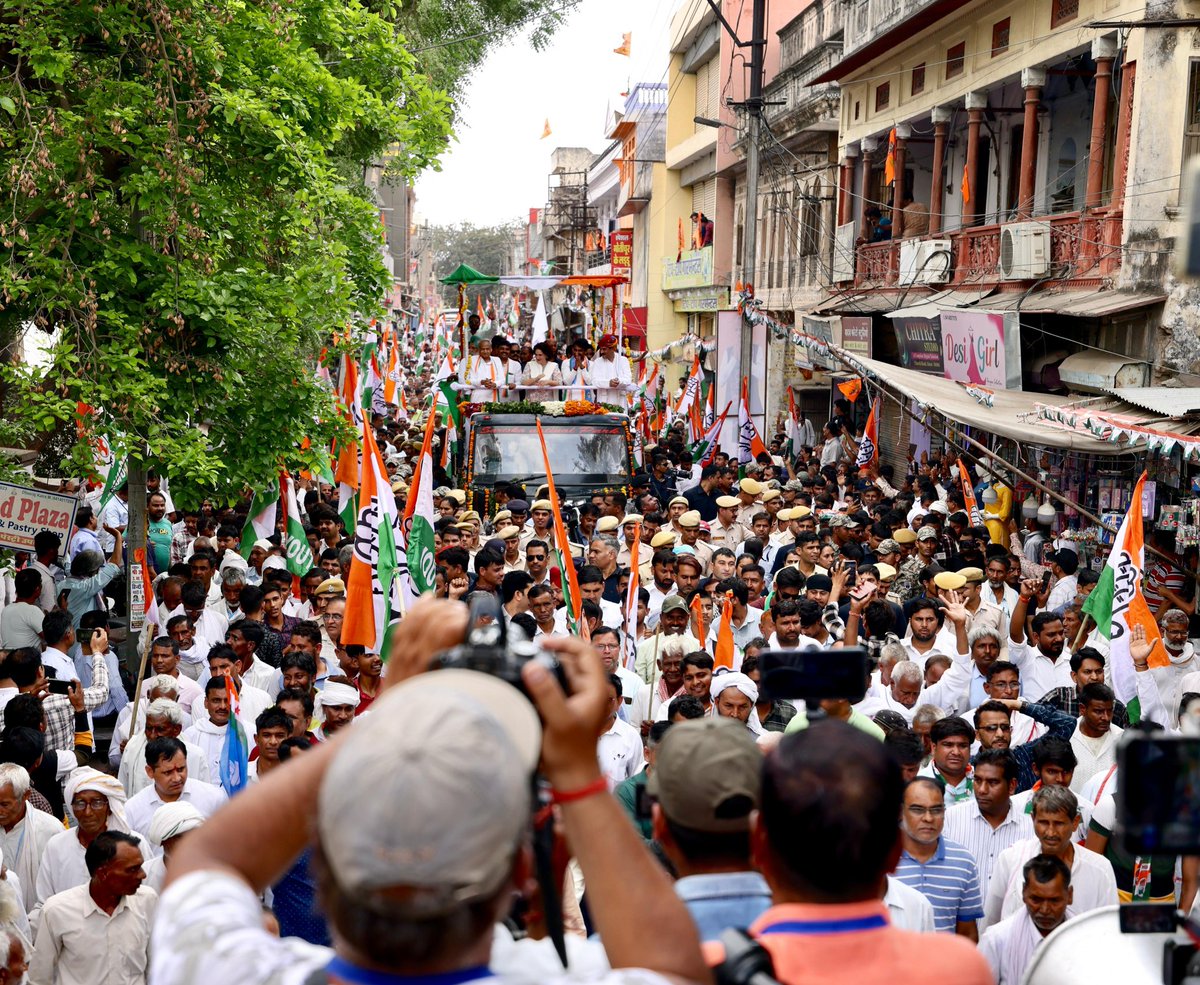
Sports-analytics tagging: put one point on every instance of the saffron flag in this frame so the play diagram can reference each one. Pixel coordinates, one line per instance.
(370, 588)
(625, 47)
(348, 455)
(968, 492)
(679, 253)
(966, 186)
(889, 164)
(697, 607)
(868, 445)
(850, 389)
(562, 548)
(631, 602)
(1117, 603)
(723, 652)
(235, 757)
(546, 129)
(691, 390)
(750, 445)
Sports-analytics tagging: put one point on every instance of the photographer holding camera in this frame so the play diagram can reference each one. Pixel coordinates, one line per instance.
(421, 820)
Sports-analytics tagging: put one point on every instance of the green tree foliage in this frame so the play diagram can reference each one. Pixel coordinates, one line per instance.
(486, 248)
(184, 210)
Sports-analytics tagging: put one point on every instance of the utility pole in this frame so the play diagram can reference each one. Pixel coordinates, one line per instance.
(753, 106)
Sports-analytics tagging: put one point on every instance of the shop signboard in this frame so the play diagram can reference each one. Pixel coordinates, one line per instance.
(920, 344)
(694, 268)
(982, 348)
(818, 328)
(621, 242)
(24, 512)
(856, 335)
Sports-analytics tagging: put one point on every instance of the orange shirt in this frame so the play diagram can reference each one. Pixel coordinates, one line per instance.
(855, 943)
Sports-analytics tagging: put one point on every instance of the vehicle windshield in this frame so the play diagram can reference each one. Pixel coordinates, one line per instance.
(502, 452)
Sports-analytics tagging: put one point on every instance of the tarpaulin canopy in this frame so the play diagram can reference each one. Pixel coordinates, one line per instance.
(531, 283)
(464, 274)
(596, 280)
(1013, 414)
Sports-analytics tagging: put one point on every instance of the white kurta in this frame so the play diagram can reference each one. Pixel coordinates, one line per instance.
(600, 374)
(63, 866)
(139, 810)
(79, 944)
(132, 772)
(1092, 881)
(476, 369)
(24, 846)
(1008, 946)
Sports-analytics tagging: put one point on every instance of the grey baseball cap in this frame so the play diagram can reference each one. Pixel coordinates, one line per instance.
(400, 804)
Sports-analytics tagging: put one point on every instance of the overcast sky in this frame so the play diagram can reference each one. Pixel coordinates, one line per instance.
(496, 169)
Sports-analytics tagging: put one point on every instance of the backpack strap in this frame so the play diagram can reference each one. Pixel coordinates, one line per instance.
(746, 962)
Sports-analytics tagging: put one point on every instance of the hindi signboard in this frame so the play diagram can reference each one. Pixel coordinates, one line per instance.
(622, 252)
(25, 512)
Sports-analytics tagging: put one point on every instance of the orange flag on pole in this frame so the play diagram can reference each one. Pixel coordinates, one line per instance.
(868, 445)
(723, 653)
(968, 492)
(625, 47)
(850, 389)
(966, 186)
(679, 253)
(631, 602)
(546, 129)
(562, 547)
(697, 607)
(889, 164)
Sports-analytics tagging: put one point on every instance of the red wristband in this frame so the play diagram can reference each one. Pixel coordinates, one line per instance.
(598, 785)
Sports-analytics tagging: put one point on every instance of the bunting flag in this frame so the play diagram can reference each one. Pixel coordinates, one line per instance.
(626, 44)
(370, 588)
(418, 519)
(868, 445)
(705, 450)
(850, 389)
(750, 445)
(679, 253)
(235, 754)
(723, 652)
(966, 186)
(889, 163)
(968, 491)
(562, 549)
(630, 640)
(262, 520)
(545, 129)
(697, 607)
(1117, 604)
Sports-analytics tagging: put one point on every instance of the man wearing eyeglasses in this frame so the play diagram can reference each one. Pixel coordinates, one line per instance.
(994, 726)
(940, 870)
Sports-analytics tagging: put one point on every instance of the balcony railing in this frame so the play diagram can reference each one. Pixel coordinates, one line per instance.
(1082, 246)
(868, 19)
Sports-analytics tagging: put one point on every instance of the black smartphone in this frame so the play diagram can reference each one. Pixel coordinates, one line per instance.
(815, 673)
(59, 687)
(1046, 576)
(851, 569)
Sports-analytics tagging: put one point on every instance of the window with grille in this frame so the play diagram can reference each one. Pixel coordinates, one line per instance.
(956, 58)
(1191, 126)
(918, 79)
(883, 96)
(1062, 11)
(1000, 31)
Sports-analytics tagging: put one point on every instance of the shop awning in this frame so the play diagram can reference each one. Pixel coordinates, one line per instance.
(935, 304)
(1080, 304)
(866, 302)
(1122, 426)
(1168, 401)
(1011, 414)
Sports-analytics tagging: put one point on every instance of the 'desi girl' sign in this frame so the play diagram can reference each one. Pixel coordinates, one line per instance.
(25, 512)
(982, 348)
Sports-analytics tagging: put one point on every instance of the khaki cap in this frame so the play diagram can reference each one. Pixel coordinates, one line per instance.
(904, 536)
(885, 570)
(974, 576)
(707, 775)
(504, 533)
(542, 504)
(607, 524)
(770, 495)
(502, 517)
(632, 518)
(949, 581)
(457, 495)
(689, 519)
(662, 539)
(331, 587)
(679, 499)
(469, 515)
(728, 502)
(399, 486)
(750, 486)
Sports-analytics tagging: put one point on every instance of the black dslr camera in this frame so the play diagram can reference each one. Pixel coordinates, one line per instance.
(493, 647)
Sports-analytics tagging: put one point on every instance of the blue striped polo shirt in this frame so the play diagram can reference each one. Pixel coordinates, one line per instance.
(949, 880)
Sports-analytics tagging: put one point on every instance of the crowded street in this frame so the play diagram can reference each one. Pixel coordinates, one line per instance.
(763, 549)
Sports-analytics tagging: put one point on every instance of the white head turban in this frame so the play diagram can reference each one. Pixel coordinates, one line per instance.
(85, 778)
(173, 819)
(335, 695)
(743, 683)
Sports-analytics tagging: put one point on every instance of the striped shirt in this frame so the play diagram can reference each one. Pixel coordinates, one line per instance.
(969, 828)
(949, 880)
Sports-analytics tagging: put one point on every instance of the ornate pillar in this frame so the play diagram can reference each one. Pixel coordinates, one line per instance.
(1104, 51)
(976, 103)
(1033, 80)
(845, 181)
(941, 120)
(899, 159)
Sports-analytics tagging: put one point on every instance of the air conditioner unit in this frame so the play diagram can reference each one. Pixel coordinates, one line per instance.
(925, 261)
(1024, 251)
(843, 253)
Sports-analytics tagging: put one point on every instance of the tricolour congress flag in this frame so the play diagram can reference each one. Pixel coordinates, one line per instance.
(868, 445)
(418, 519)
(968, 492)
(562, 548)
(371, 588)
(1117, 604)
(750, 445)
(630, 638)
(705, 450)
(263, 518)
